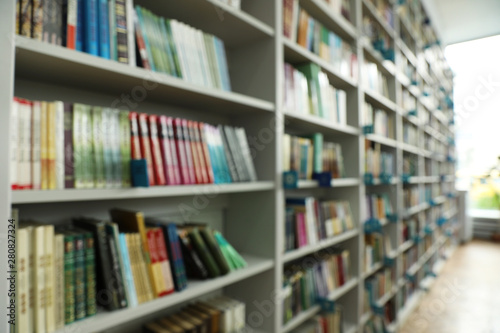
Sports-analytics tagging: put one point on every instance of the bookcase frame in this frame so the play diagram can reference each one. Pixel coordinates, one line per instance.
(251, 214)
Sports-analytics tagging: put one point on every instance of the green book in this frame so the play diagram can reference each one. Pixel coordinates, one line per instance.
(97, 144)
(87, 149)
(90, 277)
(317, 139)
(107, 146)
(173, 48)
(79, 257)
(153, 40)
(215, 250)
(125, 148)
(115, 148)
(212, 62)
(162, 44)
(311, 71)
(77, 145)
(204, 253)
(167, 44)
(69, 277)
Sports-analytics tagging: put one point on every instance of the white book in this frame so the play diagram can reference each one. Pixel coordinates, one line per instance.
(106, 144)
(22, 145)
(49, 278)
(27, 145)
(36, 166)
(59, 316)
(335, 109)
(181, 50)
(195, 47)
(342, 106)
(295, 20)
(23, 274)
(14, 144)
(59, 145)
(200, 43)
(39, 279)
(286, 151)
(31, 278)
(312, 233)
(117, 157)
(188, 53)
(207, 41)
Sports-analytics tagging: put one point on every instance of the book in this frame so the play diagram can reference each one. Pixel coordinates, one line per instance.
(168, 151)
(203, 252)
(145, 146)
(103, 23)
(69, 169)
(163, 258)
(195, 268)
(160, 287)
(128, 279)
(158, 164)
(91, 26)
(121, 27)
(70, 15)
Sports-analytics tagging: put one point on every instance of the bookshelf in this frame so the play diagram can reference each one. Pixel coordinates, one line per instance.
(251, 215)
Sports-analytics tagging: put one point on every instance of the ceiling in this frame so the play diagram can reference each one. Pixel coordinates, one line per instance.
(463, 20)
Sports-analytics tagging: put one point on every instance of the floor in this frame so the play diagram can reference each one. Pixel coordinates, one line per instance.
(466, 296)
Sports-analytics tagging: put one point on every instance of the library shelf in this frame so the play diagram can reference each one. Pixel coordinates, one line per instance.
(411, 304)
(407, 53)
(378, 182)
(48, 63)
(416, 209)
(317, 124)
(235, 26)
(410, 148)
(377, 138)
(451, 213)
(309, 313)
(68, 195)
(410, 118)
(335, 182)
(375, 14)
(379, 100)
(295, 53)
(105, 320)
(384, 299)
(323, 13)
(373, 269)
(405, 246)
(435, 133)
(438, 200)
(387, 66)
(425, 257)
(429, 179)
(323, 244)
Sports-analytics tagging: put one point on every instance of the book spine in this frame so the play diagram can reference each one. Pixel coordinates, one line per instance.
(79, 255)
(128, 277)
(88, 168)
(189, 154)
(115, 149)
(205, 155)
(170, 236)
(112, 30)
(91, 27)
(176, 164)
(69, 279)
(80, 19)
(103, 29)
(77, 146)
(23, 275)
(51, 145)
(105, 147)
(194, 152)
(134, 136)
(161, 250)
(116, 281)
(90, 276)
(39, 279)
(70, 14)
(69, 172)
(181, 151)
(145, 147)
(155, 149)
(121, 31)
(165, 149)
(159, 286)
(198, 146)
(125, 148)
(141, 44)
(25, 18)
(14, 144)
(59, 274)
(49, 278)
(40, 16)
(60, 142)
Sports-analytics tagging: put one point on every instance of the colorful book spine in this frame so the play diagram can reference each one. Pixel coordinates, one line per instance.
(125, 148)
(70, 12)
(181, 151)
(158, 162)
(189, 153)
(103, 29)
(91, 27)
(145, 147)
(163, 259)
(122, 46)
(69, 171)
(59, 287)
(60, 152)
(80, 297)
(69, 278)
(90, 275)
(129, 278)
(80, 19)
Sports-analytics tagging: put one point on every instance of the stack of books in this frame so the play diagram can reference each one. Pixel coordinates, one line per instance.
(378, 162)
(325, 322)
(219, 314)
(378, 121)
(57, 145)
(300, 27)
(308, 91)
(374, 250)
(379, 284)
(115, 265)
(303, 287)
(312, 155)
(308, 221)
(174, 48)
(374, 80)
(97, 27)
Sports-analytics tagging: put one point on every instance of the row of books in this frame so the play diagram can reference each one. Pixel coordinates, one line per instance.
(172, 47)
(308, 221)
(115, 265)
(97, 27)
(410, 134)
(378, 285)
(378, 206)
(409, 229)
(378, 38)
(300, 27)
(378, 121)
(409, 258)
(374, 79)
(312, 155)
(308, 91)
(303, 287)
(325, 322)
(412, 196)
(375, 249)
(378, 162)
(58, 145)
(216, 315)
(410, 165)
(384, 8)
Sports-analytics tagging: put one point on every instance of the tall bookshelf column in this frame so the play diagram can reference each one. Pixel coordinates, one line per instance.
(7, 53)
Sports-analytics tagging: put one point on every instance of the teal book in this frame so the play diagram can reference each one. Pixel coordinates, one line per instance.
(97, 142)
(233, 257)
(80, 299)
(311, 72)
(145, 35)
(69, 278)
(317, 139)
(90, 276)
(129, 278)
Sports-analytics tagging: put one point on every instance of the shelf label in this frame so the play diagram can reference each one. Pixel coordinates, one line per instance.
(290, 179)
(326, 305)
(406, 178)
(369, 179)
(428, 230)
(139, 173)
(372, 225)
(386, 178)
(393, 218)
(324, 179)
(368, 129)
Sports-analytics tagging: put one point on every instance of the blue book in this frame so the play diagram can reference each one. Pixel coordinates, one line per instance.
(129, 278)
(175, 254)
(79, 26)
(222, 63)
(91, 34)
(104, 44)
(224, 166)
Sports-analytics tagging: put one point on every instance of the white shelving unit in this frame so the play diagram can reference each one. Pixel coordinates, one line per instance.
(250, 215)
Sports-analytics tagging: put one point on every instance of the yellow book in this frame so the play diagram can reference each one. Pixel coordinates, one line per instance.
(23, 273)
(144, 275)
(138, 283)
(58, 275)
(49, 278)
(44, 147)
(51, 145)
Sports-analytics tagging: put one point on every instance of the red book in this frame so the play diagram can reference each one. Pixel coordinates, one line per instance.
(145, 148)
(206, 154)
(189, 154)
(170, 166)
(71, 18)
(163, 258)
(301, 229)
(194, 151)
(156, 152)
(340, 267)
(134, 136)
(199, 150)
(159, 284)
(181, 150)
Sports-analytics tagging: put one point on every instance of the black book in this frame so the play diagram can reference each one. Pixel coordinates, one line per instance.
(194, 266)
(108, 295)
